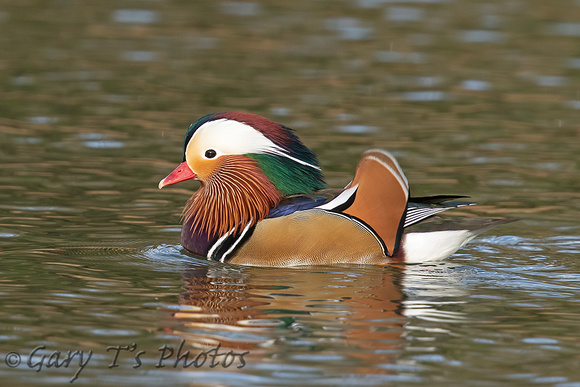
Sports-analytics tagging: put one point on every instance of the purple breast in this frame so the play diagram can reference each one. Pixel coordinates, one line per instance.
(197, 243)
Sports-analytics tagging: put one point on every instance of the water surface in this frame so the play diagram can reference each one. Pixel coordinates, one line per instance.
(473, 98)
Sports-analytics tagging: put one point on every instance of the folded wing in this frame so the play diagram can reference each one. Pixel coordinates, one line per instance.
(380, 201)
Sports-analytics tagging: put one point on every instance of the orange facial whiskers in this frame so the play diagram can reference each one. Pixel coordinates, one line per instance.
(237, 193)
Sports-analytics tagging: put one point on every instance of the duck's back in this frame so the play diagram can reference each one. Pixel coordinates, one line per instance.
(362, 225)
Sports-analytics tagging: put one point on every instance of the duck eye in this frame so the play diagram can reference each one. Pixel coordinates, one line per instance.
(210, 153)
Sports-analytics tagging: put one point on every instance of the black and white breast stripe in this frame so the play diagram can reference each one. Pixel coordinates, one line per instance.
(227, 243)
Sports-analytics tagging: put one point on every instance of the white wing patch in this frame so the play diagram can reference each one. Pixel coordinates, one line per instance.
(342, 198)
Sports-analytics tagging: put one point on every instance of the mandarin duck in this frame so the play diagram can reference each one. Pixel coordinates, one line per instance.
(263, 202)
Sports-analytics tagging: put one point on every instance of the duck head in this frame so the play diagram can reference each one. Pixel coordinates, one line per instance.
(246, 164)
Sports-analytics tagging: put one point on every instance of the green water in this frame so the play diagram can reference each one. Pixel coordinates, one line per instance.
(476, 98)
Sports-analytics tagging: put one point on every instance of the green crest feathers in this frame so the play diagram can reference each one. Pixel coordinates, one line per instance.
(288, 176)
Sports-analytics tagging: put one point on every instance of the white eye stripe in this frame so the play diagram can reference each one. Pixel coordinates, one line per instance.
(230, 137)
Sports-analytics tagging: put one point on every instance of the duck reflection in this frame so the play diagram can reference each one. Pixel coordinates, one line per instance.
(301, 315)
